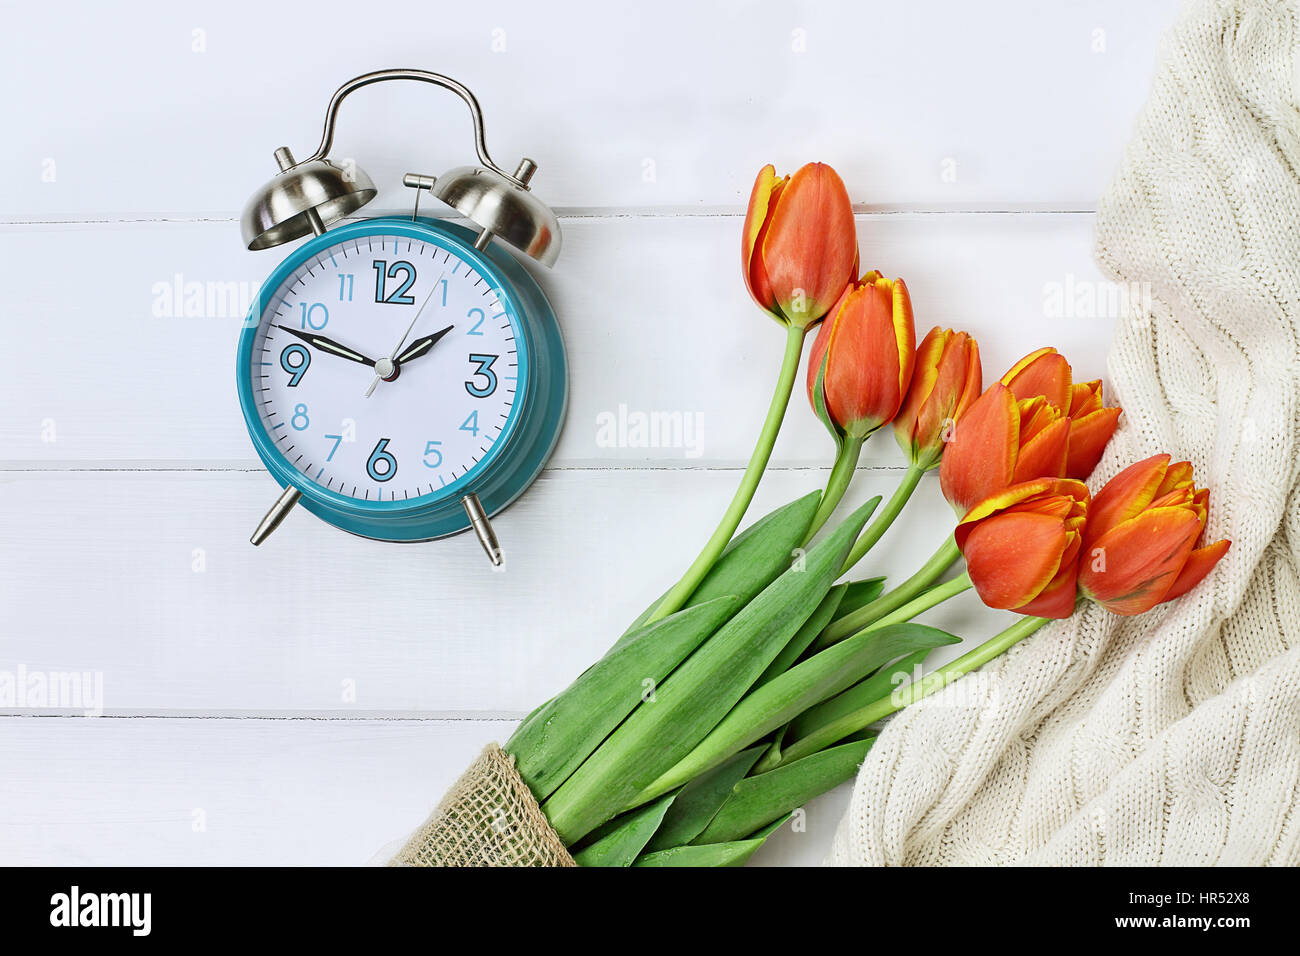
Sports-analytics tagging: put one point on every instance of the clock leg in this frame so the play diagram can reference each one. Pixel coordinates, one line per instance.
(279, 511)
(478, 520)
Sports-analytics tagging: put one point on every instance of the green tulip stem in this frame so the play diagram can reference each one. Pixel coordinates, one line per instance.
(919, 604)
(886, 517)
(864, 717)
(846, 461)
(922, 602)
(682, 590)
(933, 569)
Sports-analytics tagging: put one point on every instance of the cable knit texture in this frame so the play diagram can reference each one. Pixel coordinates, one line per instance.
(1174, 737)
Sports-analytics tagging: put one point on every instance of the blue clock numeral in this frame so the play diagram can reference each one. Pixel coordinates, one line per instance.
(432, 448)
(309, 315)
(481, 317)
(338, 439)
(300, 414)
(399, 295)
(471, 424)
(382, 465)
(296, 372)
(484, 370)
(345, 287)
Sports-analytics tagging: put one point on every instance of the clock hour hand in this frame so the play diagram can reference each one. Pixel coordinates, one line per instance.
(422, 345)
(329, 345)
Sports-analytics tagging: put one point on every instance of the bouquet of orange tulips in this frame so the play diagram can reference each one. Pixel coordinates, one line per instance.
(756, 681)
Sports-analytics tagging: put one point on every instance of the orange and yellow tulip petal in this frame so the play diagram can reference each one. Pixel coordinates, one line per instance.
(1085, 398)
(767, 188)
(1125, 496)
(1199, 563)
(1013, 557)
(980, 459)
(1089, 436)
(1058, 599)
(1044, 452)
(1044, 372)
(1131, 568)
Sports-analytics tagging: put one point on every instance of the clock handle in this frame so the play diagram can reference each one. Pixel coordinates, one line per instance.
(279, 511)
(478, 520)
(424, 76)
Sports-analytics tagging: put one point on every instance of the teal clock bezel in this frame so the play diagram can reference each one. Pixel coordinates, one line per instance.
(514, 460)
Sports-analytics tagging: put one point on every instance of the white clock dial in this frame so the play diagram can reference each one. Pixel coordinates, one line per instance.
(435, 337)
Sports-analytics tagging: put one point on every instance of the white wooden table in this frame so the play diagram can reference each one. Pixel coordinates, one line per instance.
(308, 702)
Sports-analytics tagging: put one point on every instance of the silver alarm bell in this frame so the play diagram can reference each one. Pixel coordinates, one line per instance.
(302, 199)
(503, 207)
(307, 196)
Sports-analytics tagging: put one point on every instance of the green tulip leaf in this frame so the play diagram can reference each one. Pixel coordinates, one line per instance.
(859, 595)
(698, 694)
(699, 800)
(560, 735)
(858, 696)
(781, 699)
(756, 802)
(806, 634)
(619, 845)
(713, 854)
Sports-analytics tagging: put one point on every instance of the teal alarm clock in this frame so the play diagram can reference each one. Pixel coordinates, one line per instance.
(402, 378)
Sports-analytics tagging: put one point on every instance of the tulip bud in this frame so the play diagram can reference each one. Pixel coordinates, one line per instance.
(946, 380)
(800, 246)
(1000, 441)
(861, 361)
(1022, 546)
(1139, 547)
(1091, 427)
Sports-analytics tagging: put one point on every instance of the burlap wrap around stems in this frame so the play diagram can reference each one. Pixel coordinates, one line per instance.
(489, 817)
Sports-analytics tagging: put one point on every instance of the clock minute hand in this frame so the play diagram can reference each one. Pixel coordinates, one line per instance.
(329, 345)
(385, 367)
(422, 345)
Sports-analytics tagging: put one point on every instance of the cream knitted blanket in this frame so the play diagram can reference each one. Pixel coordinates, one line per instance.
(1174, 737)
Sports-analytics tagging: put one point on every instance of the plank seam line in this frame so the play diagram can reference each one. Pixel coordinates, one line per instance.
(595, 213)
(324, 716)
(252, 470)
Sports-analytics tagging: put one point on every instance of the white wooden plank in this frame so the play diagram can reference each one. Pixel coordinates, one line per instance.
(212, 792)
(148, 580)
(921, 104)
(195, 792)
(102, 364)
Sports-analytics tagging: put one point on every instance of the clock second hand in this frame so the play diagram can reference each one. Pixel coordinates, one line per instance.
(381, 374)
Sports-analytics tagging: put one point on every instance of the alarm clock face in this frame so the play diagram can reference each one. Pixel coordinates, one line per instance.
(385, 367)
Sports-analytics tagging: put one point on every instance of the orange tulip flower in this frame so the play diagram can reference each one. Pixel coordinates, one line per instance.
(1022, 546)
(1140, 545)
(862, 359)
(1000, 441)
(800, 246)
(946, 380)
(1091, 427)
